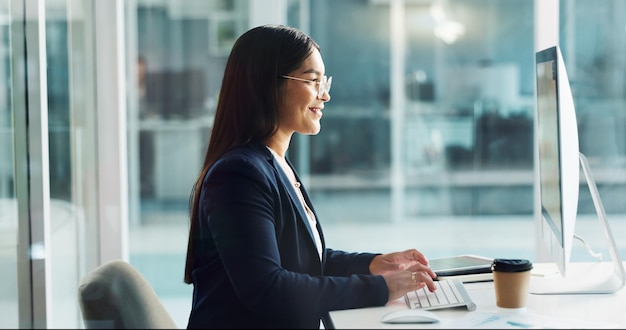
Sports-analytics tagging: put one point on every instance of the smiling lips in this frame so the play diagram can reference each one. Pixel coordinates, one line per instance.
(316, 110)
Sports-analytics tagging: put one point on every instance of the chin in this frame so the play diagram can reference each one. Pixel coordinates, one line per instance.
(310, 132)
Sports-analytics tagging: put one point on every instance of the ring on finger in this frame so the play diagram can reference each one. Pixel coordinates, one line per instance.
(414, 277)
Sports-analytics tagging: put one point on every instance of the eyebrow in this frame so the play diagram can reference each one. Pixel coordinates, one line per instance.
(312, 71)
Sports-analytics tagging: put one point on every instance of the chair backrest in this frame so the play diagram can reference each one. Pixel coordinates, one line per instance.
(116, 296)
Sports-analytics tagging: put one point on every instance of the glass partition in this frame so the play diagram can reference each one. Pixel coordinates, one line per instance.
(63, 240)
(593, 51)
(8, 204)
(72, 155)
(440, 109)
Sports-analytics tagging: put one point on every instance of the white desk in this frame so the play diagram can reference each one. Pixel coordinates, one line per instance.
(601, 308)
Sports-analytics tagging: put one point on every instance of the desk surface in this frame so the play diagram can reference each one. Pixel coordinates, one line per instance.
(584, 310)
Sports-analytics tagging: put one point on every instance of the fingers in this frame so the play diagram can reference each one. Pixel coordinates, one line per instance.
(420, 266)
(412, 272)
(415, 255)
(423, 268)
(429, 271)
(411, 259)
(403, 281)
(422, 279)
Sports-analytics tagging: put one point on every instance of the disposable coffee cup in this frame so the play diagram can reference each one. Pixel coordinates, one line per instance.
(511, 278)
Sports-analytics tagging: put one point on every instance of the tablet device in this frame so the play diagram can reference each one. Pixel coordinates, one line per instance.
(461, 265)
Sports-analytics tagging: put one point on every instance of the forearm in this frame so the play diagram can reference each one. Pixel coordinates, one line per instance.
(340, 263)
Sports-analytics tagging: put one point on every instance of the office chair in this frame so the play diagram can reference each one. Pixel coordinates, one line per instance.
(116, 296)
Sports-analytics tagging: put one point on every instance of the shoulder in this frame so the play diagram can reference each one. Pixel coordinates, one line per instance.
(250, 150)
(250, 158)
(254, 153)
(244, 173)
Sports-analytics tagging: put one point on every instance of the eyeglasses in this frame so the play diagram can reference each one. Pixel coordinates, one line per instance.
(324, 84)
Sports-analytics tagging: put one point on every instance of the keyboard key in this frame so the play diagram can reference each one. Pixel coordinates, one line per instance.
(449, 293)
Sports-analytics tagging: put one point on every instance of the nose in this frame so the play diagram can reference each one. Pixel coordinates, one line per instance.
(325, 96)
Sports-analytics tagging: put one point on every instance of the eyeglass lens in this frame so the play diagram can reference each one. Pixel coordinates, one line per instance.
(324, 86)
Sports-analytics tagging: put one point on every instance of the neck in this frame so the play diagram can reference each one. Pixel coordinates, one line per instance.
(278, 144)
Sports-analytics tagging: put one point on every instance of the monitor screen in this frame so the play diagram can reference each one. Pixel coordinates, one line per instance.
(558, 162)
(548, 137)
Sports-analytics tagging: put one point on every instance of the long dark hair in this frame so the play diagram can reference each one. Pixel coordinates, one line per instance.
(247, 109)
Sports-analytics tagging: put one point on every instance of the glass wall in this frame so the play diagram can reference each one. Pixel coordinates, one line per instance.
(72, 154)
(429, 131)
(593, 51)
(466, 96)
(48, 222)
(8, 204)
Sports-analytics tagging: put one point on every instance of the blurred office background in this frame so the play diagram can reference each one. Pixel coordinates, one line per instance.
(106, 108)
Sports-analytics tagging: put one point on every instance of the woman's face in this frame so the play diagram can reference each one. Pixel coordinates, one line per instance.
(301, 109)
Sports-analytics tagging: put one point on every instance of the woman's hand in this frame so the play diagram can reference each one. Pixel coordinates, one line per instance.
(409, 259)
(403, 271)
(402, 281)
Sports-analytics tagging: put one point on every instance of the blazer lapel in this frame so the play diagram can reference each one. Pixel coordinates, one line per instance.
(307, 199)
(295, 200)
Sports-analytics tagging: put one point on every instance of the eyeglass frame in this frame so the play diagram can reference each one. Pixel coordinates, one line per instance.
(324, 84)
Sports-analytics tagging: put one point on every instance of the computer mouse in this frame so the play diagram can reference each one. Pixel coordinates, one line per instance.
(410, 316)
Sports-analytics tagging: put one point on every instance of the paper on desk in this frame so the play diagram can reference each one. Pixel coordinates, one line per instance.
(484, 320)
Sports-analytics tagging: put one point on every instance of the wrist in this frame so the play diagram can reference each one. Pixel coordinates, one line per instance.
(373, 268)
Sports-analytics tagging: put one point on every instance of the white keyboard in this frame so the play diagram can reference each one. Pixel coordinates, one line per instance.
(449, 293)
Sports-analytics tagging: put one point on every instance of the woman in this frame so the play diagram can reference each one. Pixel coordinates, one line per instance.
(256, 254)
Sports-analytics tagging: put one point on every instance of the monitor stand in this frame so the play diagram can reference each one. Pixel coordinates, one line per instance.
(598, 277)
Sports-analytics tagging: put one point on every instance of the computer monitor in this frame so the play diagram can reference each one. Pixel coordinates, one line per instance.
(557, 143)
(558, 176)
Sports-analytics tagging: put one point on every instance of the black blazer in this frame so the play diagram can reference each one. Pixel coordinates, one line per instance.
(256, 261)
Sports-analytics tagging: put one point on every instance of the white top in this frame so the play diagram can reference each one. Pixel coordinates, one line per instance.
(310, 216)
